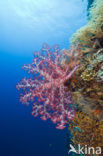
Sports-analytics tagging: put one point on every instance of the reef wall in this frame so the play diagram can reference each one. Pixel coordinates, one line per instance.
(87, 84)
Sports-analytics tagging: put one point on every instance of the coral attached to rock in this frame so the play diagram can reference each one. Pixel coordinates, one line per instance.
(46, 88)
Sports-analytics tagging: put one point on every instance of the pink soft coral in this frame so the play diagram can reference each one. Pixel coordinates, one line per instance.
(46, 87)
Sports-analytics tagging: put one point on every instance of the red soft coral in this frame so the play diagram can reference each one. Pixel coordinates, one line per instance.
(46, 87)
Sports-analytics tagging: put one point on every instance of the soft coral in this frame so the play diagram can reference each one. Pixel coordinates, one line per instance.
(46, 88)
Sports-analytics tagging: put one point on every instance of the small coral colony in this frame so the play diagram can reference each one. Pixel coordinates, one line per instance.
(66, 86)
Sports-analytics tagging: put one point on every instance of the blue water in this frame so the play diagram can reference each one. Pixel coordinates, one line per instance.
(24, 26)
